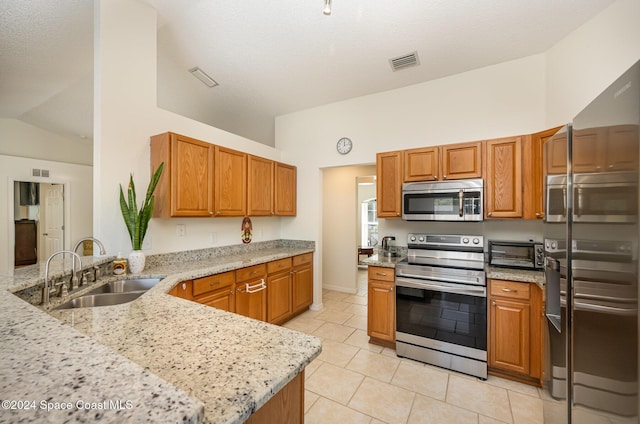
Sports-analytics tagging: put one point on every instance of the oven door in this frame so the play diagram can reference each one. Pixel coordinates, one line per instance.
(443, 316)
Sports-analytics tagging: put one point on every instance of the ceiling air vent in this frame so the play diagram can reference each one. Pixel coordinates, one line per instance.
(404, 61)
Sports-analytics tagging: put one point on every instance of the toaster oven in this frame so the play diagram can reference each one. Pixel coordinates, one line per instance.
(514, 254)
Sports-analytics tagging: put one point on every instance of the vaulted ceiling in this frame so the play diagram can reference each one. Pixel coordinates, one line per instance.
(268, 57)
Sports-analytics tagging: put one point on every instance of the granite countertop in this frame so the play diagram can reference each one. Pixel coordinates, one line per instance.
(384, 261)
(188, 359)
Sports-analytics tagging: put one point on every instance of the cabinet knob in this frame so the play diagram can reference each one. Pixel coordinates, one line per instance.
(435, 177)
(444, 177)
(217, 213)
(390, 289)
(489, 213)
(493, 303)
(539, 215)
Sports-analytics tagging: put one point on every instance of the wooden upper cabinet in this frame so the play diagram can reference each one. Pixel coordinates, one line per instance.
(421, 164)
(533, 173)
(260, 186)
(555, 159)
(230, 191)
(284, 199)
(462, 160)
(622, 148)
(186, 185)
(389, 184)
(503, 178)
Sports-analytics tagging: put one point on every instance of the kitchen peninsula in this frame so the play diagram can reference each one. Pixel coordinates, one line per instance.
(175, 360)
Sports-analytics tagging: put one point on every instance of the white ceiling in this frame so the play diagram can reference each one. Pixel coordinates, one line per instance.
(269, 57)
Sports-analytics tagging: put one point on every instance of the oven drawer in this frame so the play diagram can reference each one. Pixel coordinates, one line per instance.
(510, 289)
(381, 273)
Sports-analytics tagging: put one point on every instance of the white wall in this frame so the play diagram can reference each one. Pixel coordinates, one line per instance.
(500, 100)
(18, 138)
(126, 115)
(78, 199)
(339, 226)
(590, 58)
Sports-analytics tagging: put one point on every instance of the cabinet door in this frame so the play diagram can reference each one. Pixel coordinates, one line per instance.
(302, 288)
(230, 190)
(533, 173)
(622, 148)
(251, 299)
(503, 178)
(183, 290)
(421, 164)
(462, 160)
(186, 185)
(381, 320)
(279, 303)
(222, 299)
(260, 187)
(589, 148)
(509, 340)
(389, 184)
(284, 201)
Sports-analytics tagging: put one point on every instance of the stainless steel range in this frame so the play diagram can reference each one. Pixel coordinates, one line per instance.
(441, 303)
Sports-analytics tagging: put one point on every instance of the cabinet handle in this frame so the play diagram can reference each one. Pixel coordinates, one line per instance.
(214, 283)
(210, 212)
(493, 303)
(184, 286)
(252, 273)
(444, 177)
(489, 213)
(390, 289)
(381, 274)
(539, 215)
(435, 177)
(217, 213)
(506, 290)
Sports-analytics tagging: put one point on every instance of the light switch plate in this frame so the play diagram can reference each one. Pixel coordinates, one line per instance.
(181, 230)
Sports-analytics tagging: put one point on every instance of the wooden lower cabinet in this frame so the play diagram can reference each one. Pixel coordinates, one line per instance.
(381, 314)
(285, 407)
(274, 292)
(302, 283)
(515, 331)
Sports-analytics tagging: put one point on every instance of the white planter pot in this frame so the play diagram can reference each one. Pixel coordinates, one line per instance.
(136, 261)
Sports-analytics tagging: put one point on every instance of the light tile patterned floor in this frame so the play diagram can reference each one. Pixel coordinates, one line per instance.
(353, 381)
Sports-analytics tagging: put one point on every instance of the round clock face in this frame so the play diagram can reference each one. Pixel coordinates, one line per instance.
(344, 146)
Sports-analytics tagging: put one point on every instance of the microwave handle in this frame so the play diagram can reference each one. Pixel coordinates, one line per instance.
(460, 200)
(579, 200)
(564, 201)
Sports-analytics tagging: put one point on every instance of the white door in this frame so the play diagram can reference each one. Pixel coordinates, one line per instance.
(51, 219)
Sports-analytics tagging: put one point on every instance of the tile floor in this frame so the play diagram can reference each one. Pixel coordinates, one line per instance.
(353, 381)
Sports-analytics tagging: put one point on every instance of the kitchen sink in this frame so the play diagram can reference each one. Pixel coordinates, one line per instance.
(125, 286)
(104, 299)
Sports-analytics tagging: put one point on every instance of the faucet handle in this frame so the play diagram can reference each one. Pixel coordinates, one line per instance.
(63, 290)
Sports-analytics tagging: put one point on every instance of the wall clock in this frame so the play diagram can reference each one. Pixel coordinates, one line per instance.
(344, 146)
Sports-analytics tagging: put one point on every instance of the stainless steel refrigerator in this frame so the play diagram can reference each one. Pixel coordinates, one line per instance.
(591, 261)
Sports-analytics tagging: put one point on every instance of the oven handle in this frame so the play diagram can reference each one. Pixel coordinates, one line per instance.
(460, 200)
(437, 279)
(448, 288)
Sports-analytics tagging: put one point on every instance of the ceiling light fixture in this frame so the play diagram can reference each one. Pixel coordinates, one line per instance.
(327, 7)
(202, 76)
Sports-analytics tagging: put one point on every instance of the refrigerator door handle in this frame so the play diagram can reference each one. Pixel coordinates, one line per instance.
(552, 292)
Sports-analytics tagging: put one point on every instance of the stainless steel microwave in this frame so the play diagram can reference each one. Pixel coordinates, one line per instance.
(459, 200)
(610, 197)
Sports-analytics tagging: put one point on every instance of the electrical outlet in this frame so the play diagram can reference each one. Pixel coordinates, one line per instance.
(181, 230)
(213, 238)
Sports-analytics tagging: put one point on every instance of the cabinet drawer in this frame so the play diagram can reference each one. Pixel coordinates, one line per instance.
(251, 272)
(213, 282)
(279, 265)
(381, 273)
(510, 289)
(307, 258)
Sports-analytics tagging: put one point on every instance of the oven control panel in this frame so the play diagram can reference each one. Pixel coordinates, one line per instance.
(452, 241)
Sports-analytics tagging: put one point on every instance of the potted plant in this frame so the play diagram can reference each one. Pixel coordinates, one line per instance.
(136, 221)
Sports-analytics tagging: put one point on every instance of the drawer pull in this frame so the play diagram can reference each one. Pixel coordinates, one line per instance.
(506, 290)
(381, 274)
(254, 272)
(214, 283)
(256, 287)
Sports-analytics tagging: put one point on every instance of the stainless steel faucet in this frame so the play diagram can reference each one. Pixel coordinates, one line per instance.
(98, 242)
(45, 292)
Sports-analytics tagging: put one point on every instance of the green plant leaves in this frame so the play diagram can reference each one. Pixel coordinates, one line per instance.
(136, 221)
